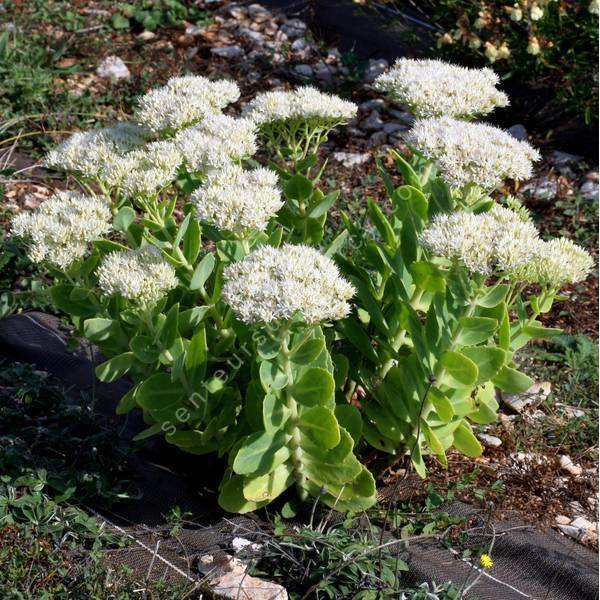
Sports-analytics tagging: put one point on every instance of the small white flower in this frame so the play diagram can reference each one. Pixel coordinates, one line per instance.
(472, 152)
(491, 52)
(61, 229)
(433, 88)
(216, 141)
(141, 275)
(498, 241)
(516, 14)
(184, 101)
(147, 170)
(533, 47)
(304, 103)
(274, 284)
(236, 200)
(89, 153)
(536, 12)
(593, 7)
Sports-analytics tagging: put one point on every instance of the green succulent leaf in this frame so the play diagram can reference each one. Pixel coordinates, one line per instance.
(458, 370)
(466, 442)
(307, 351)
(321, 426)
(315, 388)
(116, 367)
(511, 380)
(261, 452)
(475, 330)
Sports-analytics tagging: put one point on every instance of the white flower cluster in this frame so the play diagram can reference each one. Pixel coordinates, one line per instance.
(146, 170)
(91, 153)
(495, 241)
(61, 229)
(274, 284)
(184, 101)
(304, 104)
(216, 141)
(236, 200)
(556, 263)
(472, 152)
(501, 242)
(431, 88)
(141, 275)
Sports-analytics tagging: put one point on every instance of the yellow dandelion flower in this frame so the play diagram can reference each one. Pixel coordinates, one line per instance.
(485, 560)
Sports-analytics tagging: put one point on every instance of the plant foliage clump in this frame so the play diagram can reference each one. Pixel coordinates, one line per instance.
(248, 335)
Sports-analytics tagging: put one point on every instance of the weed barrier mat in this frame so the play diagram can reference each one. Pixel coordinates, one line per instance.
(528, 563)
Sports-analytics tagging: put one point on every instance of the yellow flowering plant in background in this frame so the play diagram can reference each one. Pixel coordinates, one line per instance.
(549, 44)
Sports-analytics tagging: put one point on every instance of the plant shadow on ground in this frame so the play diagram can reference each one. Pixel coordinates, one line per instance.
(56, 454)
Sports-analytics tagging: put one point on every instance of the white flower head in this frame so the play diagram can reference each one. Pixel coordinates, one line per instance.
(184, 101)
(274, 284)
(303, 104)
(60, 230)
(556, 263)
(90, 152)
(146, 170)
(236, 200)
(472, 152)
(498, 241)
(432, 88)
(216, 141)
(141, 275)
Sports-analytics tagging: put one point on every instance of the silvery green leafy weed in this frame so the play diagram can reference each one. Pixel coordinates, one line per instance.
(246, 336)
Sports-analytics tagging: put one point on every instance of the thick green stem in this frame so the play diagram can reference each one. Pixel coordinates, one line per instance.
(292, 424)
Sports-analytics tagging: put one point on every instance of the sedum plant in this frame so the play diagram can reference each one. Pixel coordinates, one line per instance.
(204, 277)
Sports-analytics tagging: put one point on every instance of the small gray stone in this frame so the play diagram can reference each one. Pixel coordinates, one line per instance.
(397, 138)
(536, 394)
(113, 68)
(226, 578)
(238, 12)
(300, 45)
(355, 132)
(570, 531)
(351, 159)
(543, 188)
(589, 190)
(227, 52)
(370, 105)
(373, 122)
(258, 13)
(254, 36)
(563, 159)
(146, 36)
(304, 70)
(193, 30)
(376, 67)
(294, 28)
(393, 127)
(402, 116)
(490, 440)
(333, 55)
(518, 131)
(567, 465)
(377, 139)
(323, 72)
